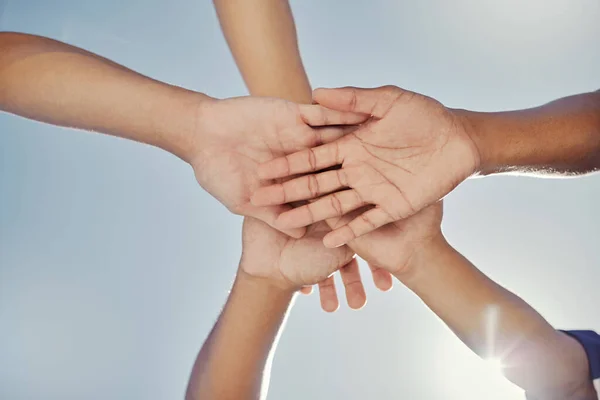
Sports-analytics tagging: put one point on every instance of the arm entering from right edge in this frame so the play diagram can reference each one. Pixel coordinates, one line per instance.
(496, 323)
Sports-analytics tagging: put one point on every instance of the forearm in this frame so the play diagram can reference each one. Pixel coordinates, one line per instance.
(234, 362)
(561, 137)
(262, 37)
(56, 83)
(495, 323)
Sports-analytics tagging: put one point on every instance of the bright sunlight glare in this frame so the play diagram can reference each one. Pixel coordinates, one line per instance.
(461, 374)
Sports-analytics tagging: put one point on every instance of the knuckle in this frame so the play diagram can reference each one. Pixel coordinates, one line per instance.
(358, 198)
(313, 185)
(312, 160)
(352, 100)
(310, 214)
(336, 204)
(389, 88)
(350, 227)
(283, 190)
(324, 116)
(341, 178)
(367, 221)
(288, 165)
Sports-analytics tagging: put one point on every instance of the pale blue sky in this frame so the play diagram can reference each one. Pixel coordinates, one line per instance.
(114, 263)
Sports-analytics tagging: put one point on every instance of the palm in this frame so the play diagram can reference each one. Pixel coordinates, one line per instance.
(412, 152)
(241, 133)
(391, 246)
(402, 172)
(290, 262)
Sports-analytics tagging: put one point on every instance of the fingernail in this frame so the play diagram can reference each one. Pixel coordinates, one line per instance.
(332, 243)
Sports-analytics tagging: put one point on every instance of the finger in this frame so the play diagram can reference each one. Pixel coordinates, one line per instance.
(328, 295)
(304, 188)
(306, 290)
(333, 205)
(381, 278)
(375, 102)
(328, 134)
(270, 215)
(310, 137)
(363, 224)
(317, 115)
(309, 160)
(355, 290)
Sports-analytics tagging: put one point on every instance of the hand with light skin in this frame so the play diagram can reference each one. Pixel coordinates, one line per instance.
(391, 247)
(413, 151)
(398, 161)
(544, 362)
(289, 263)
(240, 133)
(262, 37)
(273, 267)
(223, 140)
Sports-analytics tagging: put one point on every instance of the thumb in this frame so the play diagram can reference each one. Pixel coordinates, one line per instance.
(270, 214)
(375, 101)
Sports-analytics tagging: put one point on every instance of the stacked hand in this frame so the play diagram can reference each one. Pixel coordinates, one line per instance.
(234, 136)
(232, 140)
(392, 150)
(291, 264)
(410, 153)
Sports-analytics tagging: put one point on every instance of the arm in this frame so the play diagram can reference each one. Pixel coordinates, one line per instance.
(262, 37)
(495, 323)
(54, 82)
(561, 137)
(420, 141)
(234, 362)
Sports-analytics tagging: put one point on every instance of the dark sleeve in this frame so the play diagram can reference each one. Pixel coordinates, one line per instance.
(590, 341)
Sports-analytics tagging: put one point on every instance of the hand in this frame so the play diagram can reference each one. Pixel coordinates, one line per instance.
(409, 154)
(391, 248)
(235, 135)
(293, 264)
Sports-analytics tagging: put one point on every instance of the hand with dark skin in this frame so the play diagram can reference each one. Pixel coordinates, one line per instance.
(414, 151)
(397, 173)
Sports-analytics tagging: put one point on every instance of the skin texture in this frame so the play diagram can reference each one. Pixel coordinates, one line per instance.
(229, 150)
(273, 266)
(497, 142)
(546, 363)
(56, 83)
(495, 323)
(413, 151)
(394, 173)
(262, 37)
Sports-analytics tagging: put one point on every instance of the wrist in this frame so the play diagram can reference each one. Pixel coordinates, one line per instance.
(423, 259)
(274, 287)
(478, 129)
(176, 118)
